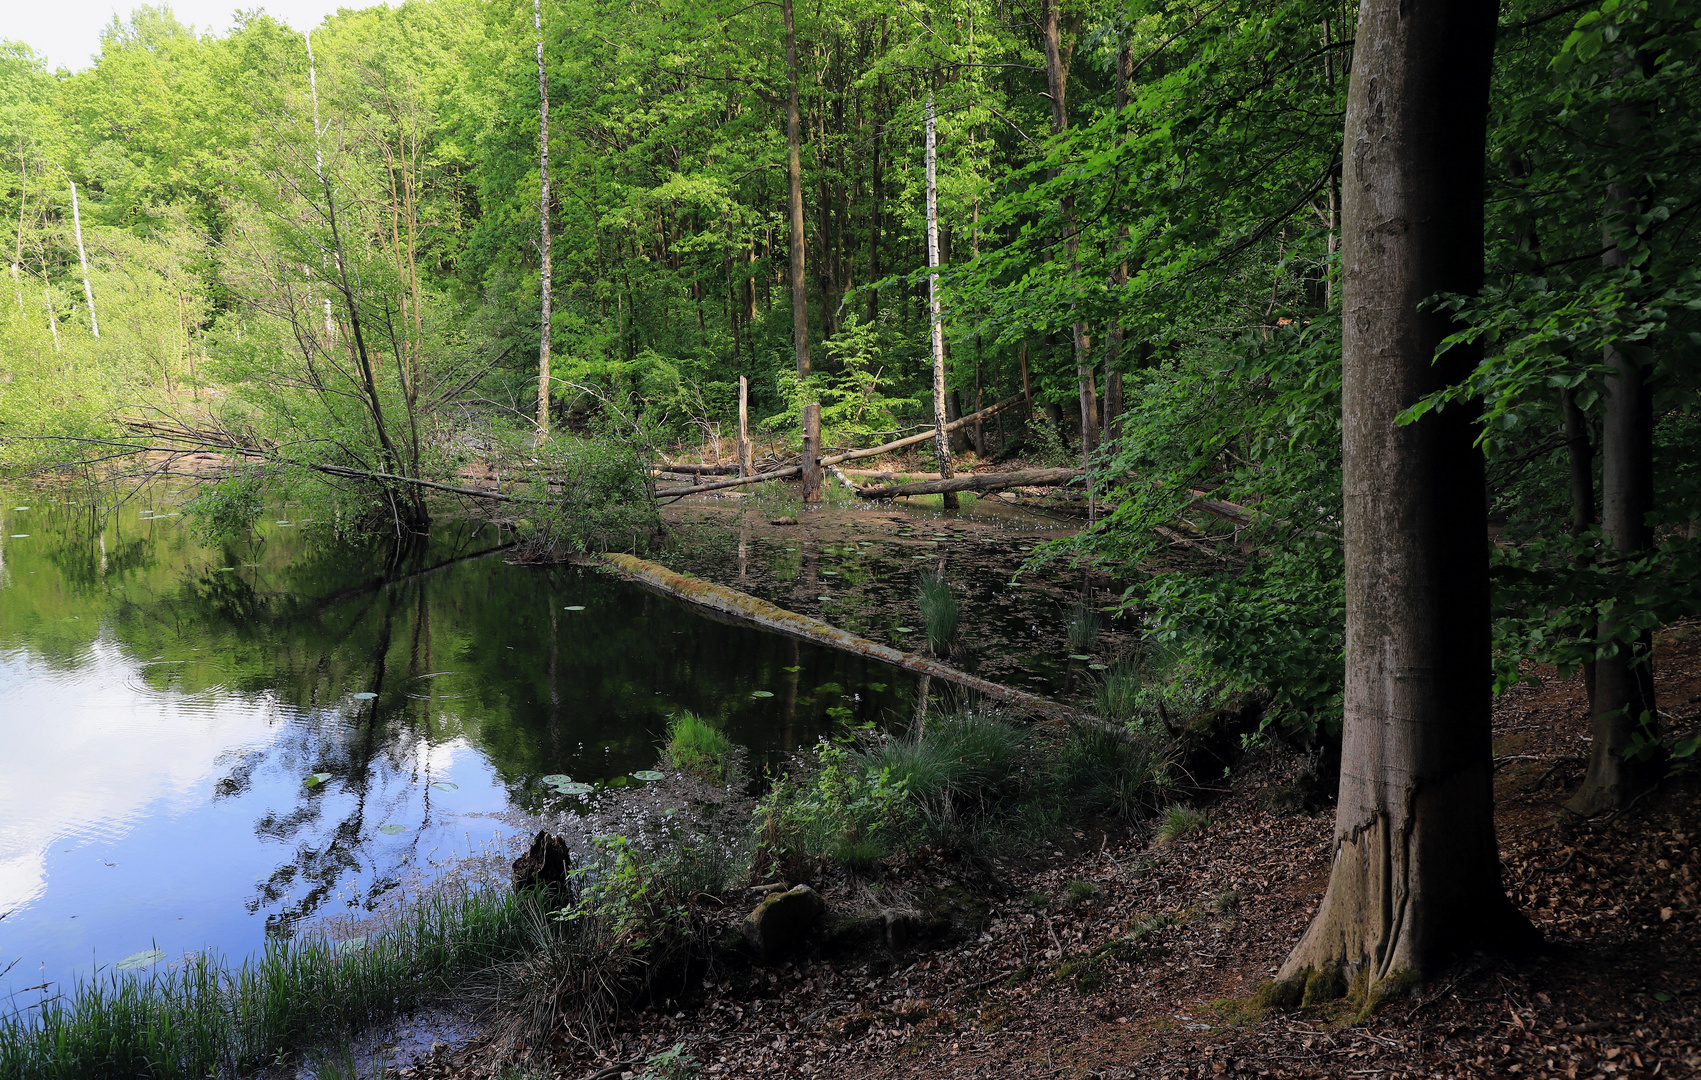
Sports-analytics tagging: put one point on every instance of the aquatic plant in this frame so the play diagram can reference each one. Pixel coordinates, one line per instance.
(1083, 626)
(696, 746)
(939, 612)
(207, 1018)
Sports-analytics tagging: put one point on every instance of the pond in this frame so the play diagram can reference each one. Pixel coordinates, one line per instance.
(202, 746)
(166, 707)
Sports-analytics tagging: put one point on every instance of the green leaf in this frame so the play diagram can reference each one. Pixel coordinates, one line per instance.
(317, 779)
(392, 829)
(649, 775)
(446, 785)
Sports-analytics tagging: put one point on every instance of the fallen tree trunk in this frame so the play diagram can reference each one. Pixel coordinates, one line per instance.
(976, 482)
(699, 470)
(915, 440)
(747, 608)
(835, 459)
(777, 474)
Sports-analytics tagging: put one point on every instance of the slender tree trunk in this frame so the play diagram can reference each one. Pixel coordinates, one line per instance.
(83, 257)
(1119, 280)
(1416, 871)
(544, 246)
(941, 442)
(794, 158)
(1057, 79)
(1580, 461)
(1623, 697)
(877, 183)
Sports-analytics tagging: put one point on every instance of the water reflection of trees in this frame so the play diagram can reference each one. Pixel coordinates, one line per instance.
(304, 622)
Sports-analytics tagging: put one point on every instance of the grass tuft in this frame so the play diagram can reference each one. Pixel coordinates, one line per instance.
(1181, 822)
(939, 612)
(1083, 626)
(696, 746)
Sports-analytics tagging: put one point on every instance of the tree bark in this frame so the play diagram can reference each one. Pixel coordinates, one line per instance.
(811, 467)
(83, 257)
(941, 446)
(746, 464)
(1622, 702)
(794, 163)
(1416, 872)
(545, 249)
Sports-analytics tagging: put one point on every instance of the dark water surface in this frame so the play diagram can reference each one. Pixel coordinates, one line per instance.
(162, 704)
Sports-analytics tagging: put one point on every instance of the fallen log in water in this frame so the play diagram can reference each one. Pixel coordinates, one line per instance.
(743, 606)
(836, 459)
(975, 482)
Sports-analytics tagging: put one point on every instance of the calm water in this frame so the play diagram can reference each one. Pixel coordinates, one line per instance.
(161, 704)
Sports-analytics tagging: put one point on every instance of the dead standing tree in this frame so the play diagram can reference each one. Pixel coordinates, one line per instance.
(1416, 871)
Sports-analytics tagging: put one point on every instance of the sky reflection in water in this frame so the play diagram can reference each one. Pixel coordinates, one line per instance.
(161, 704)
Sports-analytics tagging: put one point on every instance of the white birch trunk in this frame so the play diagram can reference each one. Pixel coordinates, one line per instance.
(77, 226)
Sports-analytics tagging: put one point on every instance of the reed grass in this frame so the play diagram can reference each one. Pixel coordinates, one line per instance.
(939, 612)
(209, 1019)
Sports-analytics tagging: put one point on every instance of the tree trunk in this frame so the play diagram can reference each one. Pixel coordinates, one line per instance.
(1622, 702)
(1119, 281)
(1416, 872)
(1057, 79)
(83, 257)
(1580, 461)
(746, 463)
(794, 159)
(546, 271)
(942, 446)
(811, 467)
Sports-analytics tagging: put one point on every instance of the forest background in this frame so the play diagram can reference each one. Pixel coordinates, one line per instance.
(334, 256)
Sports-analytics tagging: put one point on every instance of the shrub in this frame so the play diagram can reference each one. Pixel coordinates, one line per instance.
(696, 746)
(846, 811)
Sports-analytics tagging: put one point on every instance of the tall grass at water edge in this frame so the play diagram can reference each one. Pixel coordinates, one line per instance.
(939, 612)
(207, 1019)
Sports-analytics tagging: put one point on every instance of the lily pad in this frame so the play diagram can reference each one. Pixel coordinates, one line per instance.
(575, 787)
(1079, 656)
(137, 961)
(317, 779)
(618, 781)
(392, 829)
(761, 693)
(1099, 667)
(446, 785)
(19, 536)
(574, 607)
(902, 630)
(364, 695)
(226, 569)
(649, 775)
(557, 779)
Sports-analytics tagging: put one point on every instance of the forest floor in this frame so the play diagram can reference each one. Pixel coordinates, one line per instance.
(1145, 969)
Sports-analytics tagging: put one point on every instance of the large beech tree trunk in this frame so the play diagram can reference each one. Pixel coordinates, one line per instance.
(1416, 874)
